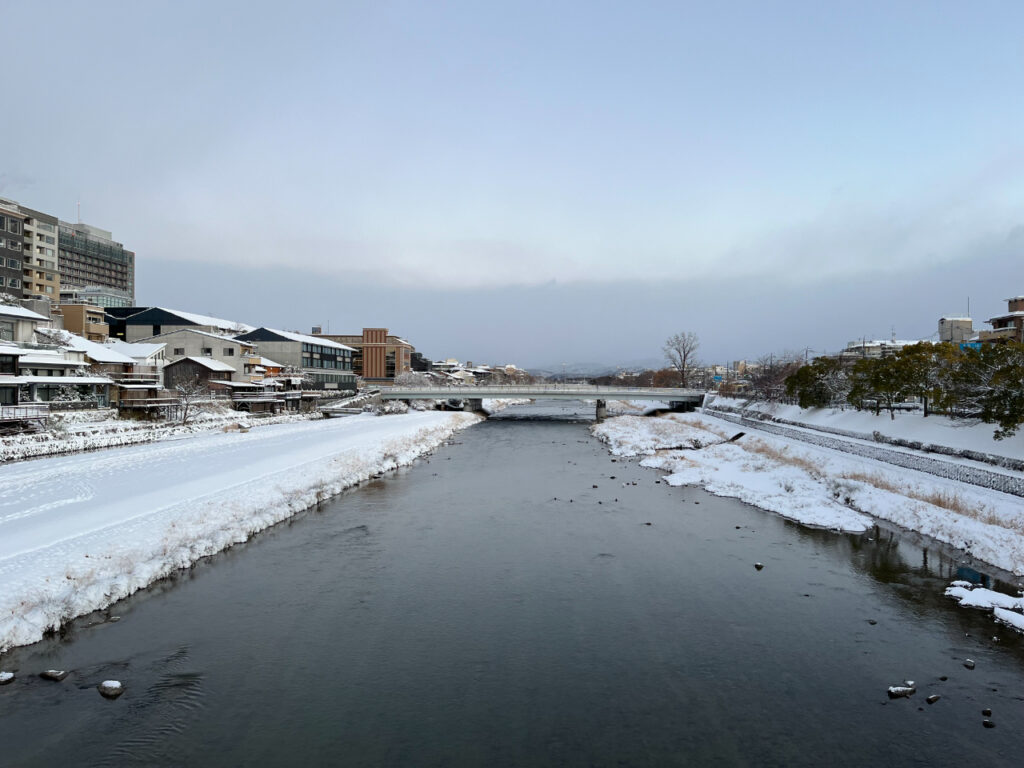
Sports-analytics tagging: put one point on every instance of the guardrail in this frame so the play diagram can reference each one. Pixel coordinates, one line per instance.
(20, 412)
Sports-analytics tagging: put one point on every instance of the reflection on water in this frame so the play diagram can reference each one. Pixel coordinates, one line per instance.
(491, 606)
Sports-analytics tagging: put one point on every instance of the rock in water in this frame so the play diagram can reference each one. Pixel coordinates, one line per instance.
(6, 677)
(987, 712)
(969, 663)
(54, 674)
(759, 566)
(901, 691)
(111, 688)
(933, 698)
(988, 723)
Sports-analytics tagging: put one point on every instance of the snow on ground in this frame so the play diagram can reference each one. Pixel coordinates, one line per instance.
(88, 430)
(1006, 609)
(816, 486)
(80, 532)
(908, 425)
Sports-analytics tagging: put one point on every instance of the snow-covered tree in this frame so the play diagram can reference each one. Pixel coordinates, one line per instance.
(189, 395)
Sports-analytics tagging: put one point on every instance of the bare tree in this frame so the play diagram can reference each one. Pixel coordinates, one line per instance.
(680, 350)
(189, 395)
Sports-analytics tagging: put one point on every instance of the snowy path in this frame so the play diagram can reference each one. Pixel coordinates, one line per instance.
(79, 532)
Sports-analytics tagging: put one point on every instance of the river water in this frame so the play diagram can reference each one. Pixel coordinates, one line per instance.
(490, 606)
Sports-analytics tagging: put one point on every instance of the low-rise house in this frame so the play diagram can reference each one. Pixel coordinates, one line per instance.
(325, 364)
(149, 358)
(18, 324)
(1008, 327)
(242, 356)
(196, 370)
(104, 360)
(85, 320)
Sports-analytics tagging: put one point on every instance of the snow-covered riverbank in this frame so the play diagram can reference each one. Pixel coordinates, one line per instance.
(816, 486)
(77, 431)
(80, 532)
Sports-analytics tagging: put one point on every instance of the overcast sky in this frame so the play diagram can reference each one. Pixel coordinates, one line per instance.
(537, 182)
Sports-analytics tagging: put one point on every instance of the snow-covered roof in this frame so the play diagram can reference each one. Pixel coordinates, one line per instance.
(214, 322)
(99, 353)
(12, 350)
(219, 336)
(209, 362)
(309, 339)
(266, 362)
(138, 386)
(137, 350)
(1018, 313)
(7, 310)
(54, 380)
(235, 384)
(35, 358)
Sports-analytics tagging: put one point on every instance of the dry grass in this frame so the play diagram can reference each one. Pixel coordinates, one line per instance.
(780, 455)
(944, 499)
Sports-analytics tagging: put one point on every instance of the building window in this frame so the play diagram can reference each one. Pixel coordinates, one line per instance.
(14, 283)
(14, 226)
(229, 351)
(48, 289)
(179, 350)
(14, 264)
(14, 245)
(207, 351)
(6, 330)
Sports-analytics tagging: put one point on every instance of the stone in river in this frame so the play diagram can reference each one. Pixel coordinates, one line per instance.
(969, 663)
(759, 566)
(111, 689)
(988, 723)
(901, 691)
(54, 674)
(987, 712)
(6, 677)
(933, 698)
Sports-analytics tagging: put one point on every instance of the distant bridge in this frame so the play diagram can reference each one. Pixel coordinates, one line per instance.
(473, 396)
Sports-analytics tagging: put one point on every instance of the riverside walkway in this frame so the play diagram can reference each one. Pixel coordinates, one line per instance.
(473, 396)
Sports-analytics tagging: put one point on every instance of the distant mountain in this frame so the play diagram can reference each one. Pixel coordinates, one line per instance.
(596, 369)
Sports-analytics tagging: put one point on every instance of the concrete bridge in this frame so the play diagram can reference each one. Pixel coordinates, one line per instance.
(473, 396)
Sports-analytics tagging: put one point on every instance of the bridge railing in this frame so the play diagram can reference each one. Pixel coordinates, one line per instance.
(471, 390)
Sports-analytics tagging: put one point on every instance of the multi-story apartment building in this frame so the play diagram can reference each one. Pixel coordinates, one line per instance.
(89, 256)
(11, 252)
(39, 274)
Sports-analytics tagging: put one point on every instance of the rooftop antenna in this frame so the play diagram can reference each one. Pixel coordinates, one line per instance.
(79, 204)
(894, 334)
(968, 306)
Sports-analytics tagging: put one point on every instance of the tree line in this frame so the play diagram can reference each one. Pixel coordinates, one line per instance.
(984, 382)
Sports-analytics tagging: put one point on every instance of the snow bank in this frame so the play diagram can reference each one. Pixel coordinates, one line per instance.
(80, 532)
(89, 430)
(1006, 609)
(931, 432)
(817, 486)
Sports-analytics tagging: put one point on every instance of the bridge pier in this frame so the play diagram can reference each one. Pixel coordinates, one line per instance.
(602, 410)
(474, 404)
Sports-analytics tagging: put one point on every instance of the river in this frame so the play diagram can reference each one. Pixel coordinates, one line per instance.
(507, 601)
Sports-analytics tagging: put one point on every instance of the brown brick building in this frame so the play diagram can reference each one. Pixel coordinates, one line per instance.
(378, 355)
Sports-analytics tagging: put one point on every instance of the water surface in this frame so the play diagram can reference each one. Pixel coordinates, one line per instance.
(490, 606)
